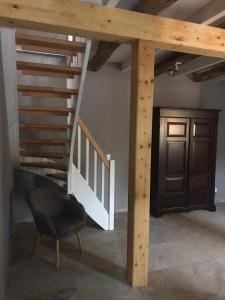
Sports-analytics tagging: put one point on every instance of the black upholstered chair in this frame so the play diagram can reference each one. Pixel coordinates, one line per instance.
(56, 215)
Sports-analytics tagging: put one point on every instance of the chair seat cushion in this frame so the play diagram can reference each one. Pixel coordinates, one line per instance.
(65, 225)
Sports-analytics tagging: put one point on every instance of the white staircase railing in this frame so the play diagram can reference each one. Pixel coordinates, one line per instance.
(95, 190)
(92, 178)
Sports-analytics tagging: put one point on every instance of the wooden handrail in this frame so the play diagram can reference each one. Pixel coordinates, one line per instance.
(94, 144)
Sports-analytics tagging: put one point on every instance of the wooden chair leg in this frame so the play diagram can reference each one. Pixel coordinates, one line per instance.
(79, 242)
(36, 243)
(57, 255)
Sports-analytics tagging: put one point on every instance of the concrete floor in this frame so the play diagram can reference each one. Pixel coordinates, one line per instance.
(187, 261)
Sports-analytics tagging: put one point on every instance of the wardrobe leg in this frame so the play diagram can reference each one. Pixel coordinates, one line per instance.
(79, 242)
(57, 254)
(36, 243)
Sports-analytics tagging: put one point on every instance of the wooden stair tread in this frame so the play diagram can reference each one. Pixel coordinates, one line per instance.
(44, 165)
(46, 142)
(46, 90)
(55, 127)
(58, 175)
(49, 70)
(23, 39)
(27, 153)
(46, 110)
(46, 50)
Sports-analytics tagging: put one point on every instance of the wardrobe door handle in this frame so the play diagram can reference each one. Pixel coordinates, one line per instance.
(194, 130)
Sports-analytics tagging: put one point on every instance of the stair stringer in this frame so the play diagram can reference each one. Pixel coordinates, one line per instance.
(84, 194)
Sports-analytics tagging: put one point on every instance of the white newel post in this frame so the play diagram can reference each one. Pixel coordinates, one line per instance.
(111, 194)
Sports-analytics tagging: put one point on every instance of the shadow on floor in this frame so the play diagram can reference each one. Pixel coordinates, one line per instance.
(92, 261)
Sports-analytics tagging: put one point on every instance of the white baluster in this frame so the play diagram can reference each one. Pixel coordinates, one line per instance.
(111, 194)
(78, 148)
(87, 160)
(95, 172)
(70, 38)
(103, 183)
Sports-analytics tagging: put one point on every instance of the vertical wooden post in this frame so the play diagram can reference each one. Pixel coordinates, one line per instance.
(142, 82)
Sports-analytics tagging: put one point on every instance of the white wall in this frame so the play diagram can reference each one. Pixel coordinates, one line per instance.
(8, 147)
(175, 91)
(105, 110)
(212, 95)
(106, 107)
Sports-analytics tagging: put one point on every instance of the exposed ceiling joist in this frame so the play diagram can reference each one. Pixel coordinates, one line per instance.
(104, 52)
(164, 65)
(113, 24)
(106, 49)
(209, 14)
(215, 71)
(152, 7)
(198, 64)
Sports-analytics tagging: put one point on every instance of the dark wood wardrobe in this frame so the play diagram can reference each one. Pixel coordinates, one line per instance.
(183, 159)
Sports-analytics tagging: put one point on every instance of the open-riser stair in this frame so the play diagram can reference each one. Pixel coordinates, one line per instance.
(50, 126)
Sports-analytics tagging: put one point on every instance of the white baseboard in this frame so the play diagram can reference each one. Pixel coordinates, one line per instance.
(24, 220)
(220, 201)
(122, 210)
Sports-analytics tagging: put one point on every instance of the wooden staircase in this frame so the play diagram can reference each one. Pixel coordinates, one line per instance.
(39, 152)
(54, 141)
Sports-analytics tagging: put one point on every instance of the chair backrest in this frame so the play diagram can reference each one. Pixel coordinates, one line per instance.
(46, 201)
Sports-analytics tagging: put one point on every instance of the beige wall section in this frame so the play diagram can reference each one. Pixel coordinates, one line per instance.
(106, 108)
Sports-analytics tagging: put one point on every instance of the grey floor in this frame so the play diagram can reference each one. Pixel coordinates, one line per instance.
(187, 261)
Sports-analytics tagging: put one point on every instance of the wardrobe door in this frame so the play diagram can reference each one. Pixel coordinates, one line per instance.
(201, 163)
(173, 168)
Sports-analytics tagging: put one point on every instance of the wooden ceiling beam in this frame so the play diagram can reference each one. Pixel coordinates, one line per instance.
(164, 65)
(216, 71)
(106, 49)
(211, 13)
(112, 24)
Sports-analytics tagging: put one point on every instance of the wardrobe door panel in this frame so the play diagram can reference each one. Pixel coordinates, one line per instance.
(174, 157)
(200, 161)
